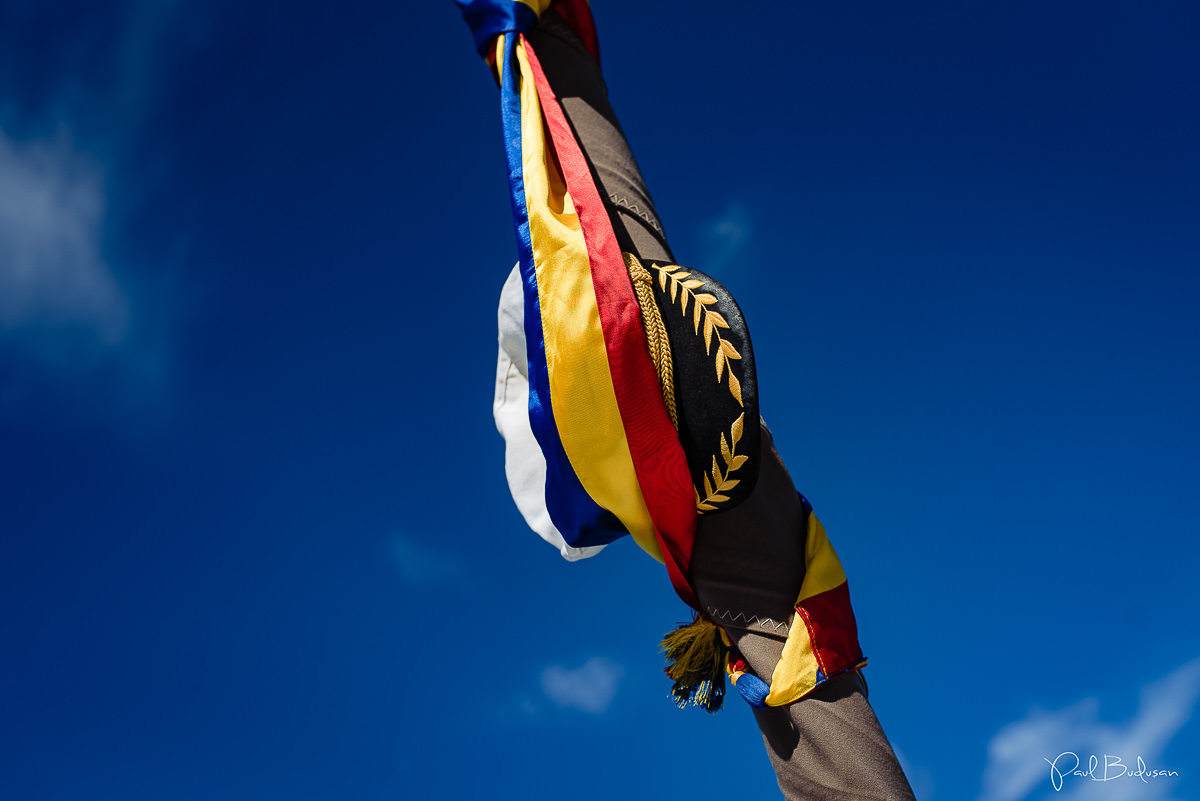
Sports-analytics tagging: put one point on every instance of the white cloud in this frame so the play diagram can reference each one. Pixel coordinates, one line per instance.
(590, 688)
(1021, 753)
(80, 304)
(725, 237)
(52, 268)
(421, 564)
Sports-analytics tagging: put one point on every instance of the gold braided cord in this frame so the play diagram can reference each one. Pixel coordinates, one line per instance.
(656, 332)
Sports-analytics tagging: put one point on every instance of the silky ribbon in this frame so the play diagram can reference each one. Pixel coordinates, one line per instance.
(614, 462)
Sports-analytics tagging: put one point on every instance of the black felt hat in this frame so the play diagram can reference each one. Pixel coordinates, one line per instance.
(701, 346)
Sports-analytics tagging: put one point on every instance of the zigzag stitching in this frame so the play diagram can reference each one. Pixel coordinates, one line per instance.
(636, 209)
(751, 621)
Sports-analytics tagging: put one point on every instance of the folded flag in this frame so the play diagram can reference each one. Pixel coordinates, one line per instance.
(642, 394)
(614, 464)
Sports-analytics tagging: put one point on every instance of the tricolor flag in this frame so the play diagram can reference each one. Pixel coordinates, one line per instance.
(614, 464)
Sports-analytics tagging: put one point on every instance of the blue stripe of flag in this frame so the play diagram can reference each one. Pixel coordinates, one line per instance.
(580, 520)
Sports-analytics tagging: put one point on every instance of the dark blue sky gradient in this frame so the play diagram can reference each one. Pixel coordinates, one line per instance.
(257, 539)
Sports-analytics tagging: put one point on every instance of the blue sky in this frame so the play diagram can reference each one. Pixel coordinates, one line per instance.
(257, 541)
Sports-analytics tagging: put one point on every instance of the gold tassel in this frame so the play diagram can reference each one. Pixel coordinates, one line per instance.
(696, 663)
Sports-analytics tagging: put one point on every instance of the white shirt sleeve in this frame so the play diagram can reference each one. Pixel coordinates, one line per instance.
(524, 464)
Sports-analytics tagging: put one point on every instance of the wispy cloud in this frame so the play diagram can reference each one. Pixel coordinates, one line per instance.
(590, 688)
(52, 268)
(78, 302)
(420, 564)
(1020, 754)
(725, 237)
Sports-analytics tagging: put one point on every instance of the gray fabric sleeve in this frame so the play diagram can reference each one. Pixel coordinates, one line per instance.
(748, 563)
(579, 85)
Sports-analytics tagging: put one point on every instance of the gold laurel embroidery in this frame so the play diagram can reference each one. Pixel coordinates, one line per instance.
(683, 285)
(722, 481)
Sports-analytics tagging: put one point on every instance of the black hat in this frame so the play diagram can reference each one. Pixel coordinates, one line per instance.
(700, 345)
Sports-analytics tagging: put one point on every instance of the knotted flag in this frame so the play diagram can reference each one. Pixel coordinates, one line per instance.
(608, 339)
(614, 463)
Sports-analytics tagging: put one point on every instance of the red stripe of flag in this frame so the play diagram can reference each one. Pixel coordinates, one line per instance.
(658, 458)
(578, 14)
(832, 629)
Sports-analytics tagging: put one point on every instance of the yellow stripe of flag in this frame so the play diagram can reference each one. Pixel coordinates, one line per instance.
(581, 386)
